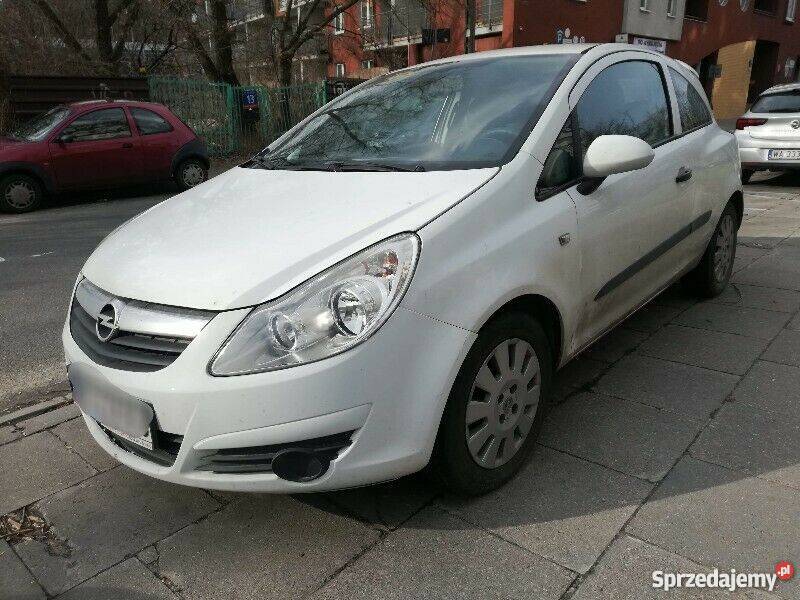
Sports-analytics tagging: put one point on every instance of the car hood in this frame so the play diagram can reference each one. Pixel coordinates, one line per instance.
(250, 235)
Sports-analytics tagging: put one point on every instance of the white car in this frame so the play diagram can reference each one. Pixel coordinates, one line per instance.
(394, 281)
(769, 133)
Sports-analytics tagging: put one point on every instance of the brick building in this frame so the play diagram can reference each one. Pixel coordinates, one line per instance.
(739, 47)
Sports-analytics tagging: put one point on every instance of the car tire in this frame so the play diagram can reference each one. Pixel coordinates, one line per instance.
(711, 276)
(20, 193)
(746, 175)
(190, 172)
(476, 453)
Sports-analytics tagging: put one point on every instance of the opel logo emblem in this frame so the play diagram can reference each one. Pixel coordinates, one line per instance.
(106, 326)
(795, 124)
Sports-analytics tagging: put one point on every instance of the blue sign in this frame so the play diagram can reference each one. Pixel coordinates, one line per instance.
(250, 99)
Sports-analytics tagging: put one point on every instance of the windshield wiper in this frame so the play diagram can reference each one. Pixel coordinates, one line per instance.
(371, 166)
(279, 163)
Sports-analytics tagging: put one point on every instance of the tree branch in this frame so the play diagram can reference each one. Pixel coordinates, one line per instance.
(66, 36)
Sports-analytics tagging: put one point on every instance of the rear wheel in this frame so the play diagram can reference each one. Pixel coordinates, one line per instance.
(20, 193)
(746, 175)
(711, 276)
(190, 172)
(495, 409)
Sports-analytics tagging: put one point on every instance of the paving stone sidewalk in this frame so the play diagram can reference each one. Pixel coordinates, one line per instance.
(673, 445)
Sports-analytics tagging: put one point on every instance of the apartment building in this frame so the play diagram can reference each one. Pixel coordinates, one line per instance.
(739, 47)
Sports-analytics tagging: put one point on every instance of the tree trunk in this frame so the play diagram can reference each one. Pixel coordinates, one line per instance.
(222, 40)
(105, 45)
(469, 32)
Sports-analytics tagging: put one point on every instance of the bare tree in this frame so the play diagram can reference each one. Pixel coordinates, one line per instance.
(99, 34)
(290, 33)
(209, 35)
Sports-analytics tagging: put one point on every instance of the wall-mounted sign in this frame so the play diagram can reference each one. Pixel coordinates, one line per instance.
(564, 36)
(650, 44)
(723, 2)
(788, 69)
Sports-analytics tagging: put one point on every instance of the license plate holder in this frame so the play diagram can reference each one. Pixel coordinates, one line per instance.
(784, 154)
(144, 441)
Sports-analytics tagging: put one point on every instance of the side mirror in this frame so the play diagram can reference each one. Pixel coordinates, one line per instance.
(610, 154)
(66, 139)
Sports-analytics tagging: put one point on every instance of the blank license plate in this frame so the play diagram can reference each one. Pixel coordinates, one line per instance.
(146, 440)
(784, 155)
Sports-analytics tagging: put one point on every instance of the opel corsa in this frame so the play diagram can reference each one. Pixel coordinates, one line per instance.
(393, 282)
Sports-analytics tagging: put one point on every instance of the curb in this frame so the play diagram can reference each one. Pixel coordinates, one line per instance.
(35, 409)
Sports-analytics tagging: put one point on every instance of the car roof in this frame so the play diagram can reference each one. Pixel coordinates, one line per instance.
(786, 87)
(133, 103)
(597, 50)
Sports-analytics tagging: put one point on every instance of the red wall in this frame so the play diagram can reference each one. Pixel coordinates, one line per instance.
(729, 25)
(537, 21)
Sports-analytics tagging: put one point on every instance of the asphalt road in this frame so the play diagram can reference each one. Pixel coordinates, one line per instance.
(40, 256)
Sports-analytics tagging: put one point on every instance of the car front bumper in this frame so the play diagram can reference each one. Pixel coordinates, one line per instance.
(390, 391)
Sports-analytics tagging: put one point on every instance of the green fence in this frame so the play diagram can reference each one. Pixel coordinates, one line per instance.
(237, 119)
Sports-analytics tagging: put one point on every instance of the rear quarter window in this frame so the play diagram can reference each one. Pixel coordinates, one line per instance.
(149, 122)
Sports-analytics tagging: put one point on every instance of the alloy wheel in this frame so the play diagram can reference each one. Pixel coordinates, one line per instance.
(502, 404)
(192, 175)
(723, 253)
(20, 194)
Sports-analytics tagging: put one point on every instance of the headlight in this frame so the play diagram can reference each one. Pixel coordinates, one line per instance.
(326, 315)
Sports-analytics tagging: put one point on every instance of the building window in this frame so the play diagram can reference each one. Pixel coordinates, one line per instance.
(340, 69)
(766, 6)
(644, 5)
(672, 7)
(791, 7)
(367, 64)
(697, 10)
(366, 14)
(338, 23)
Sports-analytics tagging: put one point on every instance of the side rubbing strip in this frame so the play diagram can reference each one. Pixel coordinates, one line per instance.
(651, 256)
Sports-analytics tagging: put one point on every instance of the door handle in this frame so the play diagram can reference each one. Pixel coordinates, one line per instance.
(127, 145)
(684, 174)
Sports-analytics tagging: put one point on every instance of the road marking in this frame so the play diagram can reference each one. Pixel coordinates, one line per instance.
(2, 259)
(42, 254)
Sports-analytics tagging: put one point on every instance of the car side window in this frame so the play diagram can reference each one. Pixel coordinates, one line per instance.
(627, 98)
(149, 122)
(105, 124)
(693, 110)
(561, 166)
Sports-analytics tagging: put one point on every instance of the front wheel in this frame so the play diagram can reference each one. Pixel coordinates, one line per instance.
(190, 172)
(495, 410)
(710, 277)
(20, 193)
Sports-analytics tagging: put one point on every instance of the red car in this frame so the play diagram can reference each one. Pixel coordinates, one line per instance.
(97, 144)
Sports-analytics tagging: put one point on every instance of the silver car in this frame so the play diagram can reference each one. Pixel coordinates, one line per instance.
(769, 133)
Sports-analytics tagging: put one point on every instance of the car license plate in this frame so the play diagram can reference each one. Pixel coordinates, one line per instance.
(784, 155)
(146, 440)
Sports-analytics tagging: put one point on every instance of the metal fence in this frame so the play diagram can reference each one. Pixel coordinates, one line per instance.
(237, 119)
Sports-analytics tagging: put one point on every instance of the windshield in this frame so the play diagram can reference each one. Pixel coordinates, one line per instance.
(468, 114)
(785, 102)
(37, 128)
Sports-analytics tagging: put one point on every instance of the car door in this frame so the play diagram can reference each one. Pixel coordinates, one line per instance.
(158, 142)
(629, 228)
(705, 145)
(96, 149)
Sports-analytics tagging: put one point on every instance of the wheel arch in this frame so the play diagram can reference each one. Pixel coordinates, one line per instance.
(31, 170)
(194, 149)
(545, 311)
(737, 199)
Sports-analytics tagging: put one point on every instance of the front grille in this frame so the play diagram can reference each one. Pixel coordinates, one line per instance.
(147, 337)
(258, 459)
(128, 351)
(165, 447)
